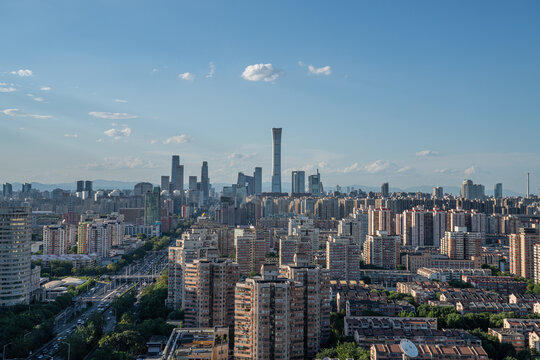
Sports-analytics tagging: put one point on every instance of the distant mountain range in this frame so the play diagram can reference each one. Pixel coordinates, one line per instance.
(286, 187)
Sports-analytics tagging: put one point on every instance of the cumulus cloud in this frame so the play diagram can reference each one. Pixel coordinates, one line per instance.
(116, 163)
(470, 171)
(19, 113)
(120, 100)
(378, 166)
(404, 170)
(186, 76)
(112, 115)
(72, 135)
(45, 88)
(118, 133)
(212, 70)
(22, 72)
(7, 89)
(39, 99)
(178, 139)
(260, 72)
(425, 153)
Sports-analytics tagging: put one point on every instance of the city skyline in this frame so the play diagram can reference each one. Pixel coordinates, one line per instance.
(389, 102)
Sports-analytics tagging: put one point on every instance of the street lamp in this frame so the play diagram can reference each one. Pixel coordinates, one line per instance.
(69, 349)
(4, 351)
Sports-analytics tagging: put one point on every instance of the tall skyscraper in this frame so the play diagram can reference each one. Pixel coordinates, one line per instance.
(80, 186)
(298, 182)
(385, 190)
(276, 160)
(192, 186)
(257, 180)
(498, 192)
(152, 207)
(7, 189)
(469, 190)
(165, 182)
(15, 272)
(177, 174)
(438, 192)
(205, 183)
(315, 185)
(88, 185)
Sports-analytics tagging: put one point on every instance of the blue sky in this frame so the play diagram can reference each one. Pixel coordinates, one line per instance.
(410, 92)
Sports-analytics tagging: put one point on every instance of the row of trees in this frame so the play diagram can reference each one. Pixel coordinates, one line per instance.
(28, 327)
(138, 321)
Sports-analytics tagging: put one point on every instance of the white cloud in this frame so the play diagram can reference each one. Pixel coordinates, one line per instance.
(405, 169)
(116, 163)
(111, 115)
(99, 140)
(154, 141)
(22, 72)
(425, 153)
(19, 113)
(325, 70)
(40, 99)
(118, 133)
(7, 89)
(178, 139)
(120, 100)
(72, 135)
(186, 76)
(45, 88)
(377, 166)
(349, 169)
(212, 70)
(470, 171)
(260, 72)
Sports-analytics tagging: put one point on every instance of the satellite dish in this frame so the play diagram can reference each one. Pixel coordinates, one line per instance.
(408, 348)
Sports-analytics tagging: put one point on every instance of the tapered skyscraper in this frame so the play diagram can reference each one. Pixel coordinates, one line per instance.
(276, 160)
(205, 182)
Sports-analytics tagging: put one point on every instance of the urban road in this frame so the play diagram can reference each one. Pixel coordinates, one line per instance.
(137, 275)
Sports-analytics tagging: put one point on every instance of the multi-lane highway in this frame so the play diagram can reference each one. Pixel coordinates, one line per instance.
(137, 275)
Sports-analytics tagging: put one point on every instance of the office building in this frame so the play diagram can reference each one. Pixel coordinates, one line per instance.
(192, 185)
(26, 188)
(498, 191)
(276, 160)
(462, 245)
(315, 187)
(209, 293)
(7, 190)
(177, 174)
(205, 183)
(298, 182)
(80, 186)
(521, 256)
(88, 187)
(152, 207)
(15, 256)
(142, 188)
(165, 182)
(257, 180)
(382, 250)
(438, 192)
(385, 190)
